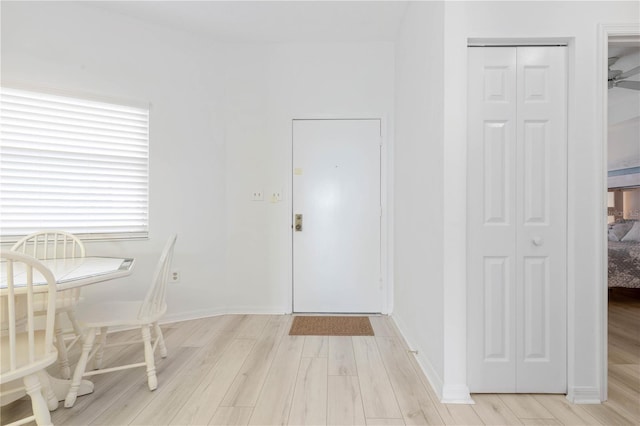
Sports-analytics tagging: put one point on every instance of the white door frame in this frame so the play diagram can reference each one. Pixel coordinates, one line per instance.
(386, 200)
(604, 32)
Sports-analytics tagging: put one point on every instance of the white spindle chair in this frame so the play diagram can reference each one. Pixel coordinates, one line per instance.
(56, 244)
(144, 314)
(26, 348)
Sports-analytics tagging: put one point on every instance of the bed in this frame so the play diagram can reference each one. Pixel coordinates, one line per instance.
(624, 255)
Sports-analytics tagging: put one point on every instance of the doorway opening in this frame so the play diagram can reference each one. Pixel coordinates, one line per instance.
(623, 207)
(622, 146)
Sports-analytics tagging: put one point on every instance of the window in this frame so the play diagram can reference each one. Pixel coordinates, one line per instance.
(72, 164)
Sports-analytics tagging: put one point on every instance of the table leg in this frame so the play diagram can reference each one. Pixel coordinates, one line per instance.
(54, 390)
(76, 381)
(61, 387)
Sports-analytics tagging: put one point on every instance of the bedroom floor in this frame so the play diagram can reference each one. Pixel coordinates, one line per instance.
(624, 350)
(245, 369)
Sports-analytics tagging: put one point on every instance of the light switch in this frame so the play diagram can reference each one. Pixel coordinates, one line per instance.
(276, 197)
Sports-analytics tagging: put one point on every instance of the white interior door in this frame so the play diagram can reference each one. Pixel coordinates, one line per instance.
(336, 241)
(517, 197)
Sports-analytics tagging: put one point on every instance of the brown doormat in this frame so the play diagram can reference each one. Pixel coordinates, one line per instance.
(331, 326)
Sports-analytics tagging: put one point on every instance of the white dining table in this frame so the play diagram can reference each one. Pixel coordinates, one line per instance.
(73, 273)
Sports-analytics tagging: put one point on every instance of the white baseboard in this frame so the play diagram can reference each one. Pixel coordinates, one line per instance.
(448, 394)
(456, 394)
(584, 395)
(425, 365)
(206, 313)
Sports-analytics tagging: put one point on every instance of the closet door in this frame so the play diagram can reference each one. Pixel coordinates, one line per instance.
(491, 212)
(517, 219)
(541, 209)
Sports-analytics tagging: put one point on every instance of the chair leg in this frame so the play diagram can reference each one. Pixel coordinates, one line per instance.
(47, 390)
(160, 337)
(102, 341)
(63, 358)
(38, 403)
(80, 368)
(148, 357)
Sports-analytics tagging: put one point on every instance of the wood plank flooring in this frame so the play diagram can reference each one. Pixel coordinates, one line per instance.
(247, 370)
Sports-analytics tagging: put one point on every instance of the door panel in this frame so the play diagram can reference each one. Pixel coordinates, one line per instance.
(517, 219)
(535, 334)
(496, 309)
(492, 235)
(496, 172)
(542, 218)
(536, 187)
(336, 188)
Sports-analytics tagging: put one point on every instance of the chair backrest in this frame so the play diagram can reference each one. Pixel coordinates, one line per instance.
(53, 244)
(50, 244)
(20, 276)
(155, 304)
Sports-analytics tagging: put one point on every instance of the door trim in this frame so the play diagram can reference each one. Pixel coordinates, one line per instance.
(386, 201)
(604, 32)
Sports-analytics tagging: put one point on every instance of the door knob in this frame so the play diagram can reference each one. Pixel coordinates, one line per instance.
(298, 222)
(537, 241)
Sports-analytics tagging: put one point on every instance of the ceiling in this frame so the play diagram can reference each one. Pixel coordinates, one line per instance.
(271, 21)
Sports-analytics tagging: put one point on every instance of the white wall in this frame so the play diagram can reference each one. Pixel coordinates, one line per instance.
(624, 144)
(70, 47)
(422, 135)
(220, 129)
(296, 80)
(578, 23)
(418, 189)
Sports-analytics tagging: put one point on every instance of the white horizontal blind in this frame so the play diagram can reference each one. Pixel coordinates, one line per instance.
(72, 164)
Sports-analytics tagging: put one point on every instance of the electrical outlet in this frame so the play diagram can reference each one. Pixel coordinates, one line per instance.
(257, 196)
(175, 276)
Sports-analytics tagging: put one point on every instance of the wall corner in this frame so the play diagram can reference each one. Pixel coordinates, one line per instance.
(456, 394)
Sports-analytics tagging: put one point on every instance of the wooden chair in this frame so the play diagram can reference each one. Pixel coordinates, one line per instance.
(144, 314)
(26, 350)
(55, 244)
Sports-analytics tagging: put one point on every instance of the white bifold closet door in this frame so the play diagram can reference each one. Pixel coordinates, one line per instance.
(517, 219)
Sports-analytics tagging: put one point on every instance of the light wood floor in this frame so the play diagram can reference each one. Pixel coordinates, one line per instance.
(245, 369)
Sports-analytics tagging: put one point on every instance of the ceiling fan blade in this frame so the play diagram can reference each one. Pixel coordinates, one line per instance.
(632, 71)
(613, 60)
(614, 73)
(634, 85)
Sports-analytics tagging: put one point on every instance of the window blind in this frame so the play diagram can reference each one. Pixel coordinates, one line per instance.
(72, 164)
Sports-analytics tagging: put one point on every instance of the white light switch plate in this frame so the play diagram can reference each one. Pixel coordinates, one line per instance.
(276, 197)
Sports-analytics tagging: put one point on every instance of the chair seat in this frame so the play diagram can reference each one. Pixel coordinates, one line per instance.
(22, 357)
(112, 314)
